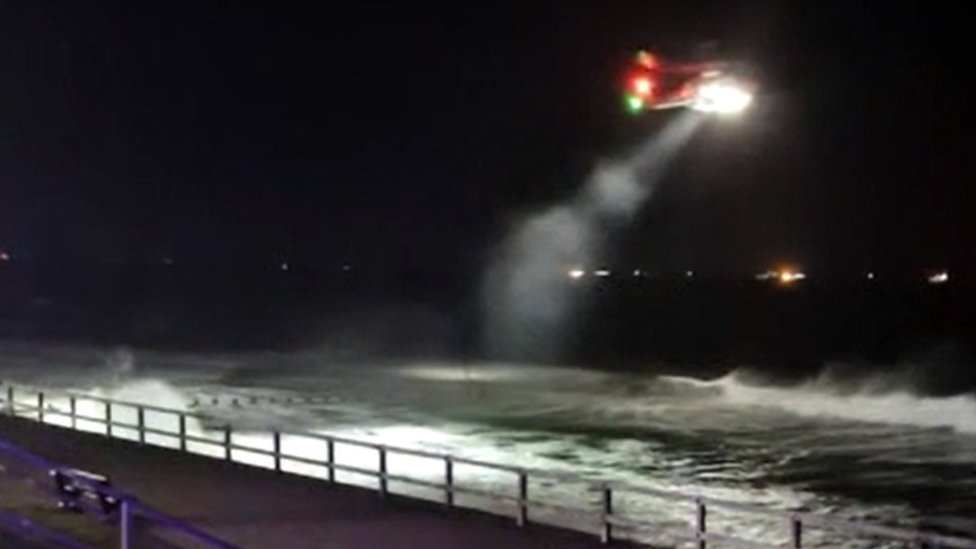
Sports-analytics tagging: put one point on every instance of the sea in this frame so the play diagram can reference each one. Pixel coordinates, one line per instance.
(845, 400)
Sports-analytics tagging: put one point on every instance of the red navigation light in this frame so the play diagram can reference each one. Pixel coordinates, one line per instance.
(643, 86)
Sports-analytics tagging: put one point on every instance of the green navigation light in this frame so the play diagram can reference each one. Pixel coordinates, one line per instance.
(634, 103)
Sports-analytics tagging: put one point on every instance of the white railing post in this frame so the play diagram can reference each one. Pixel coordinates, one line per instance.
(449, 481)
(182, 431)
(125, 529)
(384, 487)
(701, 522)
(73, 409)
(227, 443)
(10, 400)
(523, 498)
(141, 423)
(277, 451)
(330, 452)
(796, 532)
(606, 500)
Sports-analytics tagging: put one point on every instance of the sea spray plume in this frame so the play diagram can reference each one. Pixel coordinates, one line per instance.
(527, 303)
(121, 365)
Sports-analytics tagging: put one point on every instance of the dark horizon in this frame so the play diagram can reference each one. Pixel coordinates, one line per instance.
(410, 136)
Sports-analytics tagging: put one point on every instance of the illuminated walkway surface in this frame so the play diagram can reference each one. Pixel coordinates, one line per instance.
(261, 509)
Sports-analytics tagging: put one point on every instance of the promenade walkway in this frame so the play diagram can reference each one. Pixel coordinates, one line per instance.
(10, 541)
(261, 509)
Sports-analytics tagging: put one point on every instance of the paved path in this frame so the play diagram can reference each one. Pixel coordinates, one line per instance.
(11, 541)
(261, 509)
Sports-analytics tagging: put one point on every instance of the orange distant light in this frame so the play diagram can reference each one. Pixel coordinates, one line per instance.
(788, 277)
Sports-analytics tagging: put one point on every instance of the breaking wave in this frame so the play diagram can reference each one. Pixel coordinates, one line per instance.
(873, 399)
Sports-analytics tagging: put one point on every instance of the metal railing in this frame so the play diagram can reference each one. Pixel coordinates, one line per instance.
(139, 525)
(616, 510)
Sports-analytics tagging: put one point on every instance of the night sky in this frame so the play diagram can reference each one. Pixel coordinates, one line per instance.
(331, 133)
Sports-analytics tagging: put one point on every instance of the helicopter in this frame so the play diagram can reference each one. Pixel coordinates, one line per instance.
(713, 86)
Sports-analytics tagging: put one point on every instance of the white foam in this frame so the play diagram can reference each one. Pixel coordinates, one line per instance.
(819, 400)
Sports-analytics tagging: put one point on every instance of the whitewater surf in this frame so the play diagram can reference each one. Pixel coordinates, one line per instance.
(883, 454)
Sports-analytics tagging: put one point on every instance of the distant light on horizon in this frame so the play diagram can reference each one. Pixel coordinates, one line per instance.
(784, 276)
(4, 256)
(788, 277)
(940, 277)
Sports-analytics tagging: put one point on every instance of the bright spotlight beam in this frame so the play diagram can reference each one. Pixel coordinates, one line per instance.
(722, 98)
(529, 308)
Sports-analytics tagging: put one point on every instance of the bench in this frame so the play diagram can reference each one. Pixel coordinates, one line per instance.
(77, 490)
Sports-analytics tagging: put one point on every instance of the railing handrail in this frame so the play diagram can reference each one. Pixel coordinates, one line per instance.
(338, 439)
(842, 523)
(595, 484)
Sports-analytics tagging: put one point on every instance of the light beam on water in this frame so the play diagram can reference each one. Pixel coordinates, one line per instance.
(527, 302)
